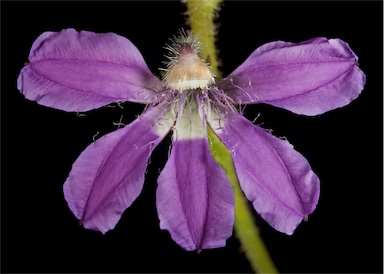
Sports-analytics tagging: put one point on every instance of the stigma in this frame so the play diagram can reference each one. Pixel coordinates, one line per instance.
(185, 69)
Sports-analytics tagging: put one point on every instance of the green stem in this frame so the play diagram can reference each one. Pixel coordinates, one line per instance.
(201, 19)
(245, 227)
(201, 16)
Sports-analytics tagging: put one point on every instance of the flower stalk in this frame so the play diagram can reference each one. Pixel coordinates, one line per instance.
(201, 16)
(245, 228)
(201, 19)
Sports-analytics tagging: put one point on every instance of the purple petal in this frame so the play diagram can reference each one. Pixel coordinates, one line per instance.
(109, 174)
(274, 177)
(79, 71)
(195, 200)
(308, 78)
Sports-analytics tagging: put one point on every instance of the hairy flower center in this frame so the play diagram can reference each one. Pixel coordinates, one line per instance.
(186, 70)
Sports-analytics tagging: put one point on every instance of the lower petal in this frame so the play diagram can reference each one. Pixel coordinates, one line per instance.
(274, 177)
(109, 174)
(195, 200)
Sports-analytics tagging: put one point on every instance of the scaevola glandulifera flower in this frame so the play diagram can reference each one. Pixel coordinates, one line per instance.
(79, 71)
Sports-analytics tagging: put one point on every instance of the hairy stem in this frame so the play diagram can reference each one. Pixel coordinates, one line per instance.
(202, 14)
(245, 226)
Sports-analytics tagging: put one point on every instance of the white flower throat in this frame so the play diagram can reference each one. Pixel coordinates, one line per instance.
(186, 70)
(190, 90)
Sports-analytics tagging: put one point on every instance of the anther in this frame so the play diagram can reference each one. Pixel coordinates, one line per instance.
(186, 70)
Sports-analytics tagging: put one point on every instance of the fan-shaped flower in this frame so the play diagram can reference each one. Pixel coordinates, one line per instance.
(79, 71)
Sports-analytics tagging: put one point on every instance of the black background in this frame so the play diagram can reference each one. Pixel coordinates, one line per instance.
(39, 145)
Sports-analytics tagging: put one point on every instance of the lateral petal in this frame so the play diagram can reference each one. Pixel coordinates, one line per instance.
(79, 71)
(109, 174)
(308, 78)
(195, 200)
(274, 177)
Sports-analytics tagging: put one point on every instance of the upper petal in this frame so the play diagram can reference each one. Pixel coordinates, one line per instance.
(274, 177)
(79, 71)
(109, 174)
(195, 200)
(309, 78)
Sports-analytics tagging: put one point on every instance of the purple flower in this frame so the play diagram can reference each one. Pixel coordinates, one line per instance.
(80, 71)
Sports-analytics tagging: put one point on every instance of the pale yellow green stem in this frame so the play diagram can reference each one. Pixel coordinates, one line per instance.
(245, 227)
(201, 19)
(201, 15)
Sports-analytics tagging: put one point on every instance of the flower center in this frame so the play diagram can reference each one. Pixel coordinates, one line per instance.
(186, 70)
